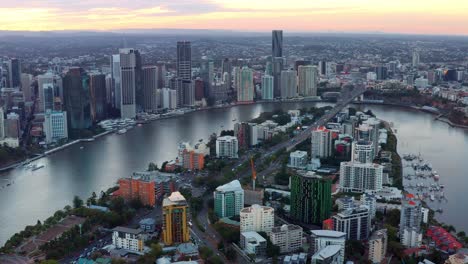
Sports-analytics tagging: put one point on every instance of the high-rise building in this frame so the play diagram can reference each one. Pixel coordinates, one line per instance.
(175, 219)
(267, 87)
(12, 126)
(247, 134)
(55, 126)
(322, 67)
(116, 90)
(288, 84)
(321, 143)
(150, 88)
(298, 159)
(278, 64)
(369, 131)
(199, 89)
(161, 76)
(228, 199)
(354, 222)
(128, 239)
(381, 72)
(227, 147)
(360, 177)
(130, 82)
(14, 73)
(320, 239)
(287, 237)
(137, 188)
(184, 60)
(415, 58)
(98, 97)
(257, 218)
(76, 99)
(48, 96)
(2, 123)
(311, 201)
(245, 90)
(410, 221)
(308, 80)
(378, 246)
(56, 82)
(26, 83)
(277, 43)
(168, 98)
(363, 151)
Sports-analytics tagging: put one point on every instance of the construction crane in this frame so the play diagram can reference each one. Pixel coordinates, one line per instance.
(254, 173)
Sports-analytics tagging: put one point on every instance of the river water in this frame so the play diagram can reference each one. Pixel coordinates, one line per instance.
(34, 195)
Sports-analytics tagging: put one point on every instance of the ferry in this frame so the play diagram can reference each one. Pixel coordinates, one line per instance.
(122, 131)
(36, 167)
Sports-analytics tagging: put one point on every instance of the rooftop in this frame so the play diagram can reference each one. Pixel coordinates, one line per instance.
(327, 252)
(127, 230)
(230, 187)
(176, 198)
(253, 235)
(328, 233)
(285, 227)
(256, 207)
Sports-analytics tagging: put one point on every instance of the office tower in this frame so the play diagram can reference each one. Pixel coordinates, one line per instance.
(56, 82)
(161, 76)
(299, 63)
(277, 43)
(354, 222)
(287, 237)
(410, 221)
(288, 84)
(169, 98)
(311, 201)
(360, 177)
(14, 73)
(116, 81)
(98, 98)
(26, 82)
(378, 246)
(109, 83)
(320, 239)
(48, 96)
(199, 89)
(322, 67)
(415, 58)
(329, 254)
(130, 82)
(184, 60)
(228, 199)
(278, 64)
(76, 99)
(362, 151)
(150, 87)
(267, 87)
(321, 143)
(227, 147)
(245, 90)
(187, 92)
(308, 80)
(2, 123)
(381, 72)
(257, 218)
(207, 75)
(55, 126)
(175, 223)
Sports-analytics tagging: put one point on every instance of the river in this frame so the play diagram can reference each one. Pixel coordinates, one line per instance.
(35, 195)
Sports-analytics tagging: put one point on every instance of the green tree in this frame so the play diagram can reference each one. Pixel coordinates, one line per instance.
(231, 254)
(152, 167)
(461, 234)
(205, 252)
(77, 202)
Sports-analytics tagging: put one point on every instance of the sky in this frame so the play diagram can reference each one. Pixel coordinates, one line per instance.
(449, 17)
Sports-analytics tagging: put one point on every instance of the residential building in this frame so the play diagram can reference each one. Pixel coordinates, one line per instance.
(287, 237)
(411, 237)
(362, 151)
(128, 239)
(329, 255)
(247, 134)
(137, 188)
(253, 243)
(298, 159)
(257, 218)
(378, 246)
(307, 80)
(245, 88)
(267, 87)
(311, 201)
(360, 177)
(227, 147)
(175, 219)
(164, 182)
(169, 98)
(321, 143)
(410, 221)
(130, 82)
(228, 199)
(370, 200)
(288, 84)
(354, 222)
(322, 238)
(76, 99)
(184, 60)
(55, 126)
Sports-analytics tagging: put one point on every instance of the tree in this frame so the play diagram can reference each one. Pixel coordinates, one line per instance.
(461, 234)
(77, 202)
(152, 167)
(231, 254)
(205, 252)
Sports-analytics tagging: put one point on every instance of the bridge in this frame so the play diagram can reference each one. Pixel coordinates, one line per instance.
(347, 96)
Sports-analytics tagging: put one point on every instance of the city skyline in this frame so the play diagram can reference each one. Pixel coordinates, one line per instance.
(356, 16)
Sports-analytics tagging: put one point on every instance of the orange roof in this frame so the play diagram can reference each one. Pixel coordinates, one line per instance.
(410, 195)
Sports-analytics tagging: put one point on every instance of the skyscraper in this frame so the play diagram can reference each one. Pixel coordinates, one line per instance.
(311, 201)
(410, 221)
(76, 98)
(363, 151)
(228, 199)
(184, 60)
(48, 96)
(26, 82)
(57, 84)
(245, 91)
(381, 72)
(322, 67)
(321, 143)
(175, 223)
(116, 82)
(130, 80)
(150, 87)
(257, 218)
(360, 177)
(267, 87)
(415, 58)
(277, 43)
(97, 88)
(14, 73)
(288, 84)
(185, 91)
(278, 64)
(308, 80)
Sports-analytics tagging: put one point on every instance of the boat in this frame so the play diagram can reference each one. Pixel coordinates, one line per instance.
(140, 125)
(122, 131)
(432, 197)
(36, 167)
(436, 176)
(81, 147)
(234, 120)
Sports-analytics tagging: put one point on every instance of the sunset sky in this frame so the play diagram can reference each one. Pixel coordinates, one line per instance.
(391, 16)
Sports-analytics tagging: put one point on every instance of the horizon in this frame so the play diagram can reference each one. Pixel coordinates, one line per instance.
(416, 17)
